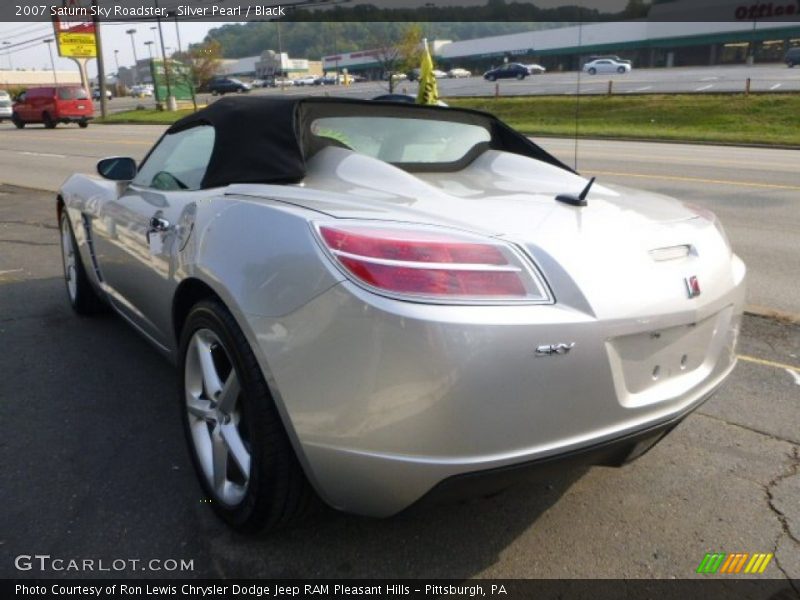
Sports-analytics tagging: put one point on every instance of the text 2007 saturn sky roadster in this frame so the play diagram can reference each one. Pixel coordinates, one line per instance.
(370, 303)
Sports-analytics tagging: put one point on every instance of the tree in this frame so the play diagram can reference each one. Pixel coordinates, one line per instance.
(397, 49)
(204, 61)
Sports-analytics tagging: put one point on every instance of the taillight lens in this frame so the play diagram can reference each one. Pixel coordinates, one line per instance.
(428, 263)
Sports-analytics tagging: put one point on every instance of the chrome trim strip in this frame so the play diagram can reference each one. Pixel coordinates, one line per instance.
(429, 265)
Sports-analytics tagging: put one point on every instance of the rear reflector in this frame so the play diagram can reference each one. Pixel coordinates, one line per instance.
(430, 263)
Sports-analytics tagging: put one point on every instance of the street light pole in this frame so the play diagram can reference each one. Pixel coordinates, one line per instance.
(155, 40)
(101, 65)
(116, 61)
(132, 32)
(149, 48)
(49, 42)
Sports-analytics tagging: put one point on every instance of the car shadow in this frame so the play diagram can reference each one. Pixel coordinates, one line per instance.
(99, 468)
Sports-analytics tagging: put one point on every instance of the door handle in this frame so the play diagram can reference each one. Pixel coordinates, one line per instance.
(157, 224)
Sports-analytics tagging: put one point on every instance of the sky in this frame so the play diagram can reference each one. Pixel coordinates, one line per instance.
(115, 38)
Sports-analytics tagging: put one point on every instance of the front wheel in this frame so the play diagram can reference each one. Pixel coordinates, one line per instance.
(520, 76)
(239, 448)
(620, 69)
(83, 124)
(592, 71)
(49, 122)
(491, 78)
(82, 297)
(18, 123)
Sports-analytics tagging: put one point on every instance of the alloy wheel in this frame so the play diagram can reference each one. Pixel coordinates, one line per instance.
(216, 420)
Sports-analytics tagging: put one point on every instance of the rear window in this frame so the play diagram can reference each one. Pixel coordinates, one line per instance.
(405, 141)
(72, 93)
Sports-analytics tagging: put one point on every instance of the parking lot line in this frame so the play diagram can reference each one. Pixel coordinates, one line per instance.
(775, 186)
(769, 363)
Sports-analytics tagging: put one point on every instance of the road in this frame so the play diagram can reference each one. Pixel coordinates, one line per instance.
(94, 465)
(753, 190)
(764, 78)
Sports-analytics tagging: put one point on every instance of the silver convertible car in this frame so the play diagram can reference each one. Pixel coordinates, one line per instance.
(370, 303)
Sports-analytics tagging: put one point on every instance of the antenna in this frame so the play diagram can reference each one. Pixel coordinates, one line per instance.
(580, 199)
(578, 90)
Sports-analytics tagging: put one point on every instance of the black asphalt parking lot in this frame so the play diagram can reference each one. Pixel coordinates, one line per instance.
(94, 465)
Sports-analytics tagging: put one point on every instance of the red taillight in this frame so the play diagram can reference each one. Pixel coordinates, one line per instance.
(431, 263)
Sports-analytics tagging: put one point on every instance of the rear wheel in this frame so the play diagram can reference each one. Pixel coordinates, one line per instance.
(82, 296)
(83, 124)
(48, 121)
(239, 448)
(491, 78)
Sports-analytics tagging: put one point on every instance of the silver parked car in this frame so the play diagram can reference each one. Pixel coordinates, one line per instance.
(6, 106)
(373, 302)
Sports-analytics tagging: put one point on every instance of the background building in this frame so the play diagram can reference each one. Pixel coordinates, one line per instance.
(646, 43)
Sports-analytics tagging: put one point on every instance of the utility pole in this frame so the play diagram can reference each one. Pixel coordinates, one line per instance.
(8, 54)
(101, 65)
(49, 42)
(171, 104)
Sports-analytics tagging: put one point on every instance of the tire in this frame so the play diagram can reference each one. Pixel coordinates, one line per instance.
(592, 71)
(491, 78)
(83, 124)
(620, 69)
(48, 121)
(520, 76)
(274, 492)
(18, 123)
(214, 92)
(82, 296)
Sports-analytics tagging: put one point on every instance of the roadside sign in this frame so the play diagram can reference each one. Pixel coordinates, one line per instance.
(180, 80)
(75, 37)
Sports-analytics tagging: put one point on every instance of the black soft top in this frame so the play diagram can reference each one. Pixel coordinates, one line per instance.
(267, 140)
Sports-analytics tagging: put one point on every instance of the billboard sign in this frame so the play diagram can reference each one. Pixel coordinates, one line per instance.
(76, 36)
(180, 80)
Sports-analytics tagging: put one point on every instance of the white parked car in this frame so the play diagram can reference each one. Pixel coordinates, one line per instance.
(439, 74)
(535, 69)
(458, 73)
(141, 91)
(606, 65)
(307, 80)
(6, 110)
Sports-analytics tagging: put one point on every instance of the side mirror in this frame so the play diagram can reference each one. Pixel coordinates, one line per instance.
(118, 168)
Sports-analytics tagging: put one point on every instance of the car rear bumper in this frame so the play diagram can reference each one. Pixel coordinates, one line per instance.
(387, 399)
